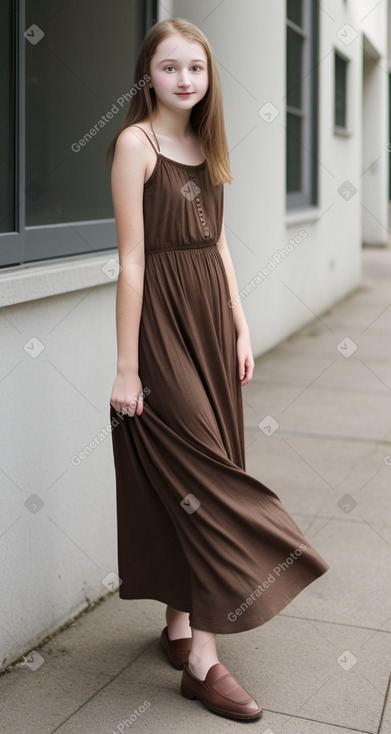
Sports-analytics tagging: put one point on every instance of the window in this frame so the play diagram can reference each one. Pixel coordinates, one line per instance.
(66, 76)
(301, 102)
(340, 91)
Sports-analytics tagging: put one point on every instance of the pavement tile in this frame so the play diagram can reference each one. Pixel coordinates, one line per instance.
(77, 663)
(297, 367)
(311, 475)
(118, 633)
(385, 726)
(362, 416)
(356, 589)
(293, 669)
(299, 681)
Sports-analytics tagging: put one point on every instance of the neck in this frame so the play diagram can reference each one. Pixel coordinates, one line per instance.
(171, 123)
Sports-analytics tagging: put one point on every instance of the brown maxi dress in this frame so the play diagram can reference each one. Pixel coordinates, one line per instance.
(195, 531)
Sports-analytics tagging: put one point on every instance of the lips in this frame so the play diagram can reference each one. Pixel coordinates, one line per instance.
(183, 94)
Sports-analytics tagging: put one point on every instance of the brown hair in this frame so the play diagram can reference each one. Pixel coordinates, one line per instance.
(207, 116)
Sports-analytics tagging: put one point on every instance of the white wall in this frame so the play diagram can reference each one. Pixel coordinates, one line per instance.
(375, 142)
(53, 561)
(250, 48)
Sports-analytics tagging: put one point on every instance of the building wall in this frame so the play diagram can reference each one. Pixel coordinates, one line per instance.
(58, 523)
(326, 264)
(60, 358)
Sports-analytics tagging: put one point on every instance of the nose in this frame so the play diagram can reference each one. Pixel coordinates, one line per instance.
(183, 80)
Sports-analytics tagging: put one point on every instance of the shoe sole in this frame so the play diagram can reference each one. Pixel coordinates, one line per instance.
(222, 712)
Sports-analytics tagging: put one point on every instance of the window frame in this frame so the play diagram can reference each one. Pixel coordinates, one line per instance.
(308, 196)
(31, 245)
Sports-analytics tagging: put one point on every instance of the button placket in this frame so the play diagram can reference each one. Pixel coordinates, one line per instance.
(199, 209)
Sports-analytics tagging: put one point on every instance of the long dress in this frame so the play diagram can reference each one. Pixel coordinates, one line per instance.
(194, 530)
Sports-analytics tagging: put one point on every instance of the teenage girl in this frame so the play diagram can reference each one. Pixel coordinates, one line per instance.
(195, 531)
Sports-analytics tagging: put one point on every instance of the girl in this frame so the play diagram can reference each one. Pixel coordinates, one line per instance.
(195, 531)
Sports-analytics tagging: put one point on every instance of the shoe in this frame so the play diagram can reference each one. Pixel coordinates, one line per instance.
(220, 693)
(177, 651)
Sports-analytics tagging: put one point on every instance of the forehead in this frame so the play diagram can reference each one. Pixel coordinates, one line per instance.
(179, 48)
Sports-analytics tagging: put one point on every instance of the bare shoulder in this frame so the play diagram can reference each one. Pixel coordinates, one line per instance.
(134, 150)
(130, 142)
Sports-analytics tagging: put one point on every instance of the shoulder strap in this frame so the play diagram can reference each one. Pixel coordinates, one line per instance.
(154, 147)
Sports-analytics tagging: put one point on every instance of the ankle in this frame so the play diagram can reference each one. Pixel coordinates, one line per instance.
(178, 626)
(199, 666)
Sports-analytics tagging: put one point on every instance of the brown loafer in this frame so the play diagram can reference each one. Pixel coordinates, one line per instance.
(220, 693)
(177, 651)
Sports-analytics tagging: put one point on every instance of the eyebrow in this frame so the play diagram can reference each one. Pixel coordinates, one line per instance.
(192, 61)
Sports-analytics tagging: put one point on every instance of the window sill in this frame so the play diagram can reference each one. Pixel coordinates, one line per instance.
(308, 214)
(342, 131)
(52, 277)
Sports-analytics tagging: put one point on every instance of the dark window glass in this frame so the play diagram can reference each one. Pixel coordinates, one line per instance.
(79, 63)
(340, 91)
(294, 11)
(294, 68)
(294, 154)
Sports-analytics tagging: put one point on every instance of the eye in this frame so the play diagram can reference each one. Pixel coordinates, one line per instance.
(197, 67)
(168, 67)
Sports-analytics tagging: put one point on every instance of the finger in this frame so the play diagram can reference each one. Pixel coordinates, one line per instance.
(140, 406)
(241, 368)
(248, 373)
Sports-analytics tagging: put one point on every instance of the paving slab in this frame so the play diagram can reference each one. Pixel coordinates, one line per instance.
(347, 415)
(368, 337)
(77, 663)
(385, 726)
(290, 666)
(311, 474)
(296, 367)
(356, 590)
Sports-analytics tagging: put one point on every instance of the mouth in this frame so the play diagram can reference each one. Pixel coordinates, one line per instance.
(184, 94)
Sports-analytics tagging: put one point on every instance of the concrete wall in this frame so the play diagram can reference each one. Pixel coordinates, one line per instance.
(58, 321)
(58, 532)
(326, 265)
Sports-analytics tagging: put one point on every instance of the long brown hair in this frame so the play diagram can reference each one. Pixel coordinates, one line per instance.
(207, 116)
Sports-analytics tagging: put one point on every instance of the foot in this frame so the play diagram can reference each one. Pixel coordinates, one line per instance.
(220, 693)
(200, 666)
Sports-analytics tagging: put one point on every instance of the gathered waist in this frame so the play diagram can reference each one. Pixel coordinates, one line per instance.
(192, 246)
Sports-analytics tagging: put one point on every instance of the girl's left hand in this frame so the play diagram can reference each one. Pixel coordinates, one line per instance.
(245, 358)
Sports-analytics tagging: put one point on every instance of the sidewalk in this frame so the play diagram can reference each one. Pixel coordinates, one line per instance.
(321, 666)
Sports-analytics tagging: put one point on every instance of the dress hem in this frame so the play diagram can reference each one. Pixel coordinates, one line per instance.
(208, 625)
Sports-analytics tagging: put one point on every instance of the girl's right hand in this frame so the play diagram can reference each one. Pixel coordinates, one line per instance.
(127, 394)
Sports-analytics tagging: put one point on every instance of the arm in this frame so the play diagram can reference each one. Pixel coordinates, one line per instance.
(127, 182)
(244, 353)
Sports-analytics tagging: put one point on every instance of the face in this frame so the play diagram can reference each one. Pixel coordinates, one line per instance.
(179, 72)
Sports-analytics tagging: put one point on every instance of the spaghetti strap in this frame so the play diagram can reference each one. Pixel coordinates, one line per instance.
(154, 147)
